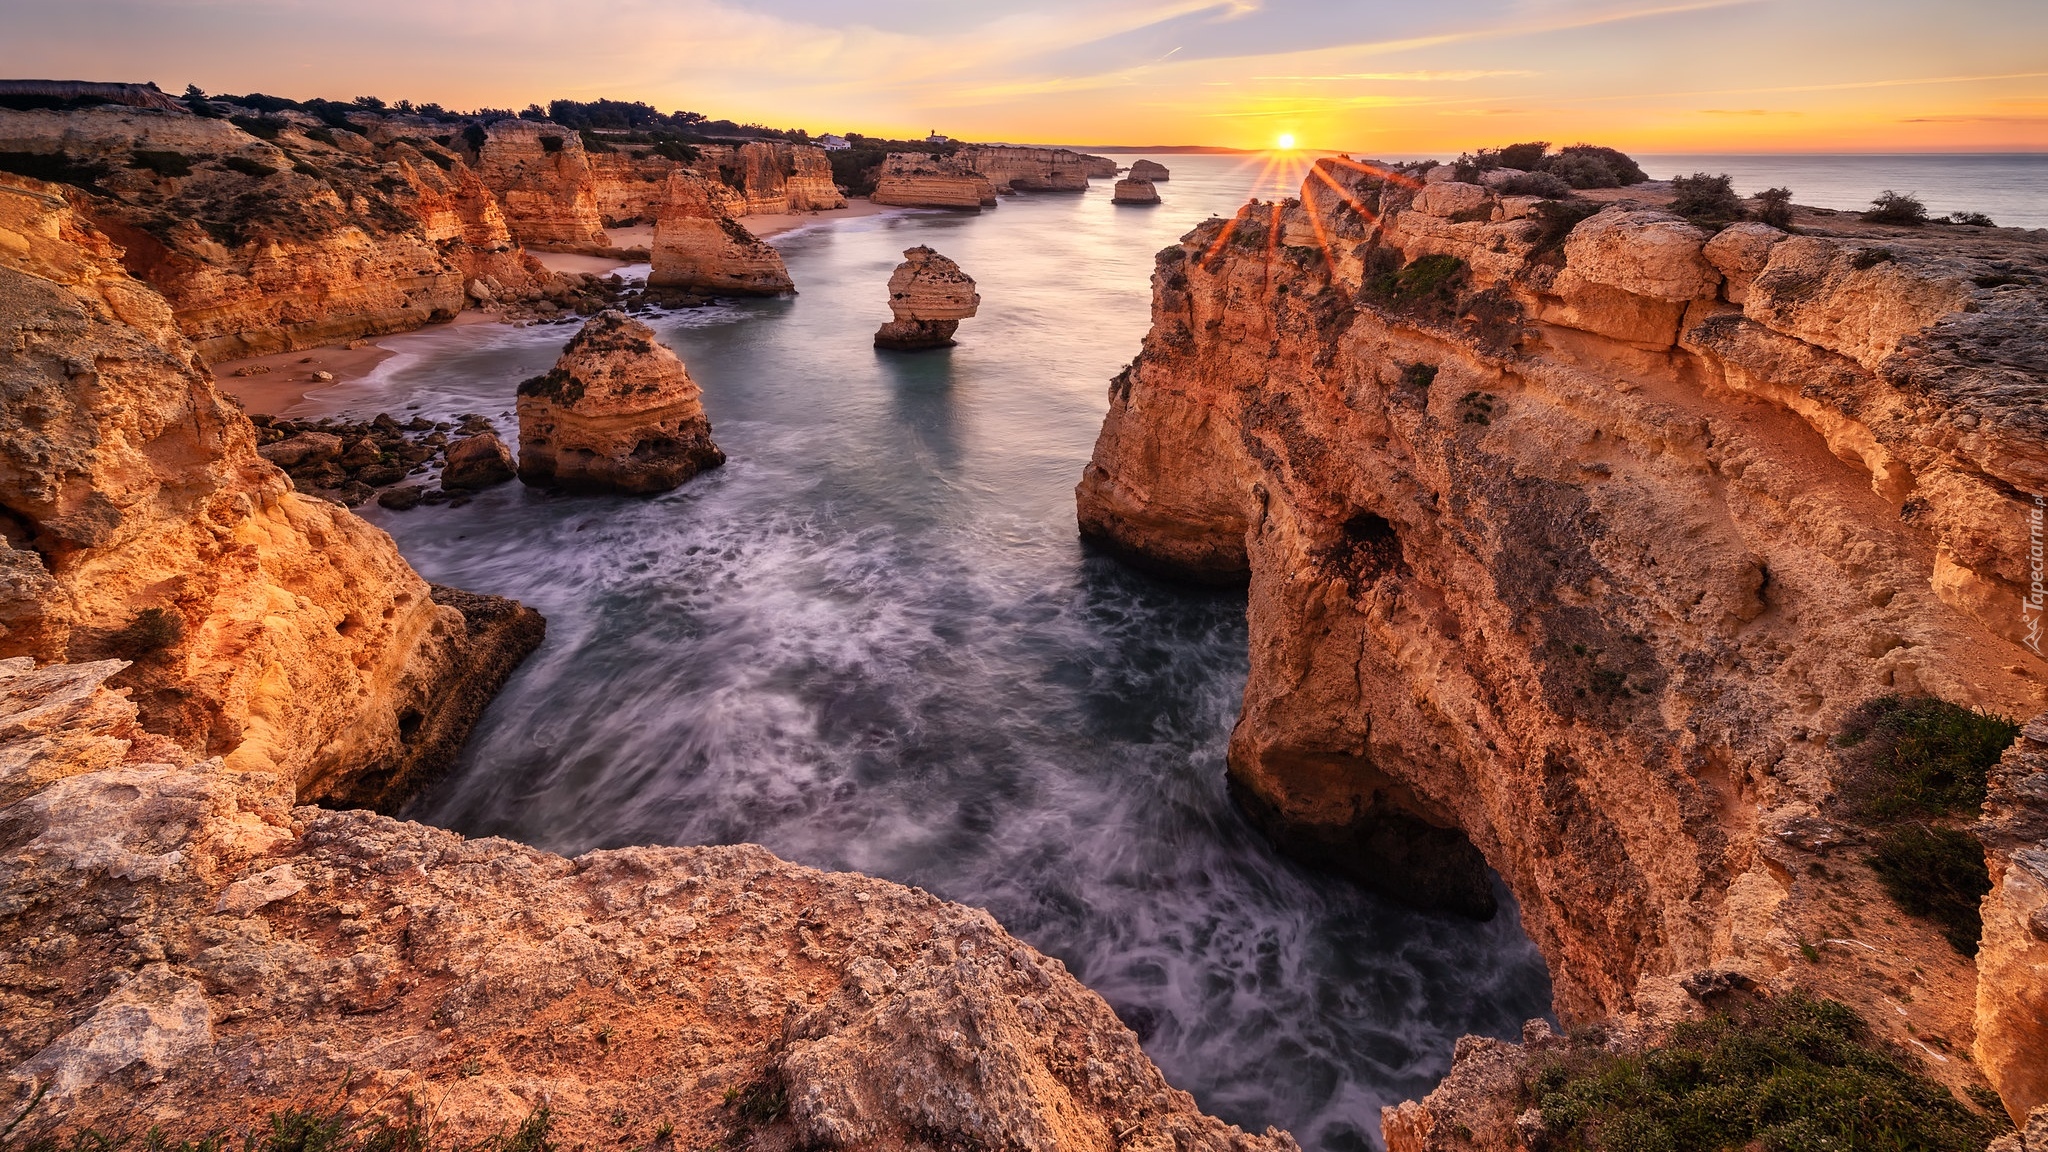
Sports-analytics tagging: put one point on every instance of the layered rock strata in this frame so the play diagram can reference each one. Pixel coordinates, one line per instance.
(698, 246)
(1014, 169)
(928, 296)
(272, 957)
(303, 236)
(2012, 959)
(916, 180)
(277, 631)
(544, 182)
(1150, 171)
(618, 412)
(1555, 548)
(764, 177)
(1134, 192)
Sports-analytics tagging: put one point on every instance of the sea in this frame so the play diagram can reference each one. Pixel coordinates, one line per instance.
(874, 641)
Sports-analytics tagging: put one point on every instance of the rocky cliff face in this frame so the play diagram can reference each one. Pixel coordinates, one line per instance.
(618, 412)
(759, 178)
(273, 956)
(916, 180)
(928, 297)
(1575, 538)
(275, 630)
(699, 247)
(262, 245)
(1013, 169)
(545, 183)
(1135, 192)
(2012, 994)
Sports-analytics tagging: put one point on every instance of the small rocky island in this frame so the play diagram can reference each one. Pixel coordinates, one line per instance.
(930, 295)
(1151, 172)
(618, 412)
(1134, 191)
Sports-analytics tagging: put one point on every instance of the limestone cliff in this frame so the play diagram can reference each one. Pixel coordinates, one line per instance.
(273, 957)
(698, 246)
(1134, 191)
(915, 180)
(928, 297)
(540, 174)
(2012, 959)
(1150, 171)
(765, 177)
(1014, 169)
(299, 237)
(1575, 534)
(278, 631)
(618, 412)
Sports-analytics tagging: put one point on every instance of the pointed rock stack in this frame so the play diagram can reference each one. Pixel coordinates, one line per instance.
(617, 413)
(699, 246)
(930, 295)
(1150, 171)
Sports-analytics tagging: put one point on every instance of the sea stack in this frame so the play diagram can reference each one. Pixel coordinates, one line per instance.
(1135, 192)
(617, 413)
(1151, 171)
(699, 246)
(930, 295)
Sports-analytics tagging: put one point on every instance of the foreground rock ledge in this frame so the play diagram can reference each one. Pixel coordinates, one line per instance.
(268, 953)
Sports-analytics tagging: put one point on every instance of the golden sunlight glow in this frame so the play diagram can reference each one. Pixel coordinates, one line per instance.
(1286, 141)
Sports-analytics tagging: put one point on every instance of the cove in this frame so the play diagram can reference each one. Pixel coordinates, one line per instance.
(873, 641)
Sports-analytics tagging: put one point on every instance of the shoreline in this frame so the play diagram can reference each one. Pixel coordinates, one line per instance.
(281, 380)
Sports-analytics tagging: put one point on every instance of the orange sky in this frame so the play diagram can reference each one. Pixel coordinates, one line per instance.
(1418, 77)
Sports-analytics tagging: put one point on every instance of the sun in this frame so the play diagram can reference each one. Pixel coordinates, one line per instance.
(1286, 141)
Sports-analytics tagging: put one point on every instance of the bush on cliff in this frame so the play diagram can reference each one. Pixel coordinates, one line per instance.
(1785, 1073)
(55, 167)
(1909, 769)
(1774, 207)
(161, 162)
(1896, 208)
(1706, 199)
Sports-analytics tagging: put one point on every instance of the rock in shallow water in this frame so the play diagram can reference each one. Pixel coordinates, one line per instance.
(618, 412)
(929, 295)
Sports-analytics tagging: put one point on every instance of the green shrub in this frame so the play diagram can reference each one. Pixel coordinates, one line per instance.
(1591, 166)
(261, 127)
(1904, 757)
(1705, 198)
(1788, 1073)
(161, 163)
(196, 103)
(1426, 279)
(247, 167)
(1774, 207)
(1554, 221)
(150, 631)
(1973, 219)
(1534, 184)
(474, 137)
(1896, 208)
(322, 136)
(1937, 874)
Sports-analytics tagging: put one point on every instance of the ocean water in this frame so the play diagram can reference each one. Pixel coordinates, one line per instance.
(2011, 187)
(872, 641)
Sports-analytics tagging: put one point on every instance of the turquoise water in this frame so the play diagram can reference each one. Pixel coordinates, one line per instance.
(872, 641)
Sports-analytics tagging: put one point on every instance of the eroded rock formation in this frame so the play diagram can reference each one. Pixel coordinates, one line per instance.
(698, 246)
(2012, 958)
(929, 295)
(1150, 171)
(1014, 169)
(544, 182)
(275, 956)
(300, 237)
(618, 412)
(1553, 545)
(916, 180)
(1134, 192)
(277, 631)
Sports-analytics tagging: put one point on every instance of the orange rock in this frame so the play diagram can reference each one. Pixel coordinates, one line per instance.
(915, 180)
(1135, 192)
(929, 295)
(540, 174)
(698, 246)
(618, 412)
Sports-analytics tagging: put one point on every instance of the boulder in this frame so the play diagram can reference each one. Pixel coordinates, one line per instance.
(1150, 171)
(698, 246)
(1644, 253)
(1451, 199)
(1135, 192)
(618, 412)
(929, 295)
(477, 462)
(303, 449)
(1740, 251)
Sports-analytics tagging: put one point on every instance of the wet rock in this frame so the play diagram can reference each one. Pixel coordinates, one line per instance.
(477, 462)
(401, 499)
(301, 450)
